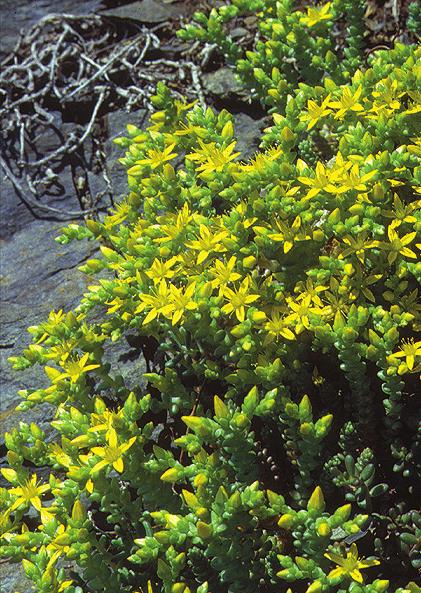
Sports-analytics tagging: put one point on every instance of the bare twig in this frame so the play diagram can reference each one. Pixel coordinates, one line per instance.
(64, 60)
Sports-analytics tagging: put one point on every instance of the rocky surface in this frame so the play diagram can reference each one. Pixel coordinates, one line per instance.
(149, 11)
(22, 14)
(222, 83)
(13, 580)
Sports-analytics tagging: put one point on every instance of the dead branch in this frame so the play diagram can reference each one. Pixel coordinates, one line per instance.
(62, 65)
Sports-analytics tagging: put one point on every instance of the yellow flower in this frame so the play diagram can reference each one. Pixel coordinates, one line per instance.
(309, 288)
(223, 273)
(111, 454)
(182, 106)
(182, 301)
(60, 542)
(338, 302)
(177, 224)
(114, 305)
(361, 282)
(347, 102)
(189, 129)
(62, 350)
(397, 244)
(358, 245)
(321, 181)
(277, 327)
(158, 302)
(351, 180)
(212, 158)
(239, 299)
(104, 422)
(161, 270)
(29, 493)
(75, 368)
(301, 311)
(386, 98)
(207, 243)
(317, 14)
(349, 565)
(315, 112)
(120, 213)
(402, 212)
(409, 350)
(58, 455)
(288, 235)
(155, 158)
(53, 321)
(260, 160)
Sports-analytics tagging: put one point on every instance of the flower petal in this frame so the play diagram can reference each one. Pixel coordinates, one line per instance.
(336, 573)
(356, 575)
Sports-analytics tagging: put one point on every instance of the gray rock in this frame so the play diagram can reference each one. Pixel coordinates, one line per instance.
(146, 11)
(222, 83)
(239, 32)
(13, 579)
(15, 16)
(126, 362)
(37, 275)
(248, 131)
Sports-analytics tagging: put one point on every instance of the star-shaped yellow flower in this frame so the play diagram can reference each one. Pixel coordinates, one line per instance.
(315, 112)
(317, 14)
(349, 565)
(238, 299)
(409, 350)
(155, 158)
(29, 493)
(112, 453)
(75, 368)
(207, 243)
(212, 158)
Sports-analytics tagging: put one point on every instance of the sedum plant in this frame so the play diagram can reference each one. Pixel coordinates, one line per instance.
(290, 45)
(273, 440)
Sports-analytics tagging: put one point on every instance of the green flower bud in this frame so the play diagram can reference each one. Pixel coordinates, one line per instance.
(221, 410)
(316, 502)
(286, 521)
(324, 529)
(249, 262)
(204, 530)
(380, 585)
(315, 587)
(343, 512)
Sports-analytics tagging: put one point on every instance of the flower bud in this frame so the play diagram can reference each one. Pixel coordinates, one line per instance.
(286, 521)
(316, 502)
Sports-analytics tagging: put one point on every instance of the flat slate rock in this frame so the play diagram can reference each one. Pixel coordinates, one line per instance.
(12, 578)
(248, 132)
(37, 275)
(22, 14)
(222, 83)
(146, 11)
